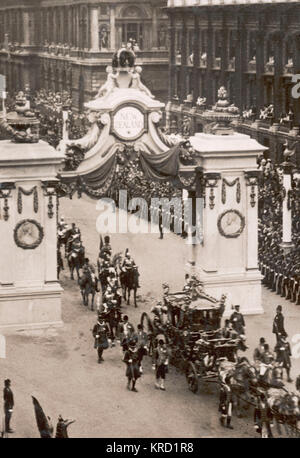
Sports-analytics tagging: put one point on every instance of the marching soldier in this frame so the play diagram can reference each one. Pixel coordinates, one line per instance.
(160, 364)
(278, 324)
(8, 405)
(100, 333)
(258, 352)
(141, 339)
(225, 405)
(131, 358)
(126, 331)
(283, 352)
(263, 417)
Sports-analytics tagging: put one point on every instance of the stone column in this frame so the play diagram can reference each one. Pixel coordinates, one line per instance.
(192, 247)
(196, 60)
(112, 28)
(183, 93)
(172, 65)
(224, 55)
(252, 226)
(278, 70)
(94, 24)
(26, 28)
(209, 63)
(260, 64)
(240, 61)
(154, 28)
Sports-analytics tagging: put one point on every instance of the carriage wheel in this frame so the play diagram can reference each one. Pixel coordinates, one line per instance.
(192, 378)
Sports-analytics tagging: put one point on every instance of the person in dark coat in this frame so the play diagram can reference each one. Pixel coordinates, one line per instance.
(278, 324)
(161, 362)
(100, 333)
(141, 339)
(131, 358)
(283, 352)
(263, 417)
(237, 321)
(125, 331)
(225, 403)
(8, 405)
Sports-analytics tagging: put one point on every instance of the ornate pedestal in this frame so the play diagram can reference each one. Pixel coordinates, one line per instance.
(227, 260)
(30, 295)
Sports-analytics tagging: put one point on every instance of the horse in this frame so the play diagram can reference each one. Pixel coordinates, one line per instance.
(76, 261)
(88, 286)
(63, 238)
(244, 385)
(129, 281)
(60, 264)
(285, 409)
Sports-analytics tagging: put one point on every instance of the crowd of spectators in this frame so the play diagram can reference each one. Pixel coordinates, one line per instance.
(281, 270)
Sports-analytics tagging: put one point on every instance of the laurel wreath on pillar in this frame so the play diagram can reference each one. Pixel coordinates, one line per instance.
(28, 193)
(231, 183)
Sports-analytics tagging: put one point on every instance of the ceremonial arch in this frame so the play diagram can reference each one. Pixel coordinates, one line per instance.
(218, 167)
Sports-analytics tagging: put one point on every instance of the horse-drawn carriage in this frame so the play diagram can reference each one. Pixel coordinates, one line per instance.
(190, 324)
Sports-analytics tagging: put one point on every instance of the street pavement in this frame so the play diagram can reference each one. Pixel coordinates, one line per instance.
(59, 367)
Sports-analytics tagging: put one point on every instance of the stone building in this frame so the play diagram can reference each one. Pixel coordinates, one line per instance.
(67, 44)
(252, 48)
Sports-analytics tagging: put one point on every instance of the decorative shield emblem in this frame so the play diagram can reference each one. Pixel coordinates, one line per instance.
(28, 234)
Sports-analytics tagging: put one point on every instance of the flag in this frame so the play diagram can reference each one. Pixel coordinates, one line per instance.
(45, 429)
(101, 243)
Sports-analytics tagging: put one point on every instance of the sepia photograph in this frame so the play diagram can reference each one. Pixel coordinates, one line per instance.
(149, 222)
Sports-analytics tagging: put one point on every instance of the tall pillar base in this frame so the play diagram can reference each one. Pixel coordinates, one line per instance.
(243, 289)
(30, 308)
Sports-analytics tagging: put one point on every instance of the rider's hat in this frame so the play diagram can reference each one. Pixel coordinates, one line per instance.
(106, 239)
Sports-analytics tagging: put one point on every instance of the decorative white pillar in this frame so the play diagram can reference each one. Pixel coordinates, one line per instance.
(94, 21)
(287, 243)
(227, 261)
(26, 28)
(112, 28)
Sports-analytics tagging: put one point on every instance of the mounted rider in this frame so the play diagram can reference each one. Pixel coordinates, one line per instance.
(62, 227)
(129, 264)
(105, 250)
(89, 270)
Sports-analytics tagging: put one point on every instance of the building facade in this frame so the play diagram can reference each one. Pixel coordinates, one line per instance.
(66, 45)
(251, 48)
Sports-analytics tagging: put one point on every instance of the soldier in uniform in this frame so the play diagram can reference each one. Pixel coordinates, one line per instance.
(131, 358)
(278, 324)
(126, 331)
(263, 417)
(225, 405)
(8, 405)
(141, 339)
(238, 324)
(160, 363)
(259, 350)
(100, 333)
(283, 352)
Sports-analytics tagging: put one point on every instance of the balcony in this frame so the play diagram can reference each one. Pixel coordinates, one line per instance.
(231, 64)
(203, 60)
(217, 63)
(251, 66)
(289, 68)
(269, 66)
